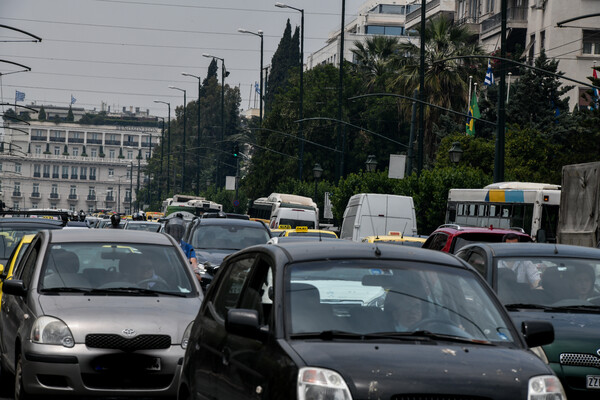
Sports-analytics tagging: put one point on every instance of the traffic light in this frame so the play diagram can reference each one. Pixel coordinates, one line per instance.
(236, 150)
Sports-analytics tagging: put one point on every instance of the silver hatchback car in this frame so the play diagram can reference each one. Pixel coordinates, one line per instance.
(98, 313)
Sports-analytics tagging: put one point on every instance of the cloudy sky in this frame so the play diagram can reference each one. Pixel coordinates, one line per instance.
(126, 53)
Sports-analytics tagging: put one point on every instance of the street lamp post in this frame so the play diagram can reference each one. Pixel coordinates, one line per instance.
(259, 33)
(183, 142)
(301, 150)
(162, 146)
(198, 138)
(455, 153)
(168, 147)
(317, 173)
(222, 107)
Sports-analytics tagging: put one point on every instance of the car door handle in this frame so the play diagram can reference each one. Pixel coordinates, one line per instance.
(225, 355)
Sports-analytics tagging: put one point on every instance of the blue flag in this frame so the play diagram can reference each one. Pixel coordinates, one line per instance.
(256, 87)
(73, 99)
(19, 96)
(489, 75)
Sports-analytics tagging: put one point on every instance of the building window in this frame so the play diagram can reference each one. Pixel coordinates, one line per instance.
(34, 205)
(55, 169)
(542, 40)
(17, 168)
(93, 173)
(75, 151)
(73, 172)
(591, 42)
(94, 152)
(54, 189)
(111, 153)
(128, 175)
(46, 171)
(53, 206)
(90, 209)
(73, 191)
(36, 188)
(92, 191)
(83, 173)
(0, 167)
(37, 170)
(129, 154)
(16, 205)
(38, 149)
(72, 208)
(111, 172)
(18, 188)
(65, 172)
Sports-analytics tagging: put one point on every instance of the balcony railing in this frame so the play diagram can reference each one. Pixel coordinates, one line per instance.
(57, 139)
(112, 142)
(110, 199)
(46, 174)
(514, 14)
(39, 138)
(36, 174)
(75, 140)
(65, 176)
(35, 194)
(73, 176)
(94, 141)
(127, 199)
(149, 145)
(91, 197)
(54, 195)
(16, 194)
(73, 197)
(55, 176)
(82, 176)
(92, 177)
(128, 143)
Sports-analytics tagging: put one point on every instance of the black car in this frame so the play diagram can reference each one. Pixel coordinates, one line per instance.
(215, 238)
(12, 230)
(345, 320)
(554, 283)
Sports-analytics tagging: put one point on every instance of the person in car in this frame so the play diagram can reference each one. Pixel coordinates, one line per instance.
(583, 282)
(526, 271)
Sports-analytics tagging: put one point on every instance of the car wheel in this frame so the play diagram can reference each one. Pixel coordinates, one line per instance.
(20, 393)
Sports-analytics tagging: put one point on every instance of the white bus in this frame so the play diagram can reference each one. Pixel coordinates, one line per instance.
(530, 206)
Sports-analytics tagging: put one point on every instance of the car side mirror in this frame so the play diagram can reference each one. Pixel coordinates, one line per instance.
(14, 287)
(541, 236)
(537, 333)
(244, 322)
(1, 269)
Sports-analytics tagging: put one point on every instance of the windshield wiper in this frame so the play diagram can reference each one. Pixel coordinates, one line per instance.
(331, 335)
(527, 305)
(581, 307)
(65, 290)
(135, 291)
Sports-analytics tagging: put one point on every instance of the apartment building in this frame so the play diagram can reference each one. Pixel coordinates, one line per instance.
(74, 166)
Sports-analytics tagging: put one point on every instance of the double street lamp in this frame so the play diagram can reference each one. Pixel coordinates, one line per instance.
(258, 33)
(198, 139)
(168, 146)
(183, 142)
(223, 74)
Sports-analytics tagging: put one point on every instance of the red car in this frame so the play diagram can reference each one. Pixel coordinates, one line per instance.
(450, 238)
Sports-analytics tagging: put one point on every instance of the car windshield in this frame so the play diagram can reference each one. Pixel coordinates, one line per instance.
(144, 226)
(228, 237)
(11, 236)
(371, 297)
(548, 281)
(105, 266)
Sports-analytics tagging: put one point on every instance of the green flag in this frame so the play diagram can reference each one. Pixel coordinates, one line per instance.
(473, 112)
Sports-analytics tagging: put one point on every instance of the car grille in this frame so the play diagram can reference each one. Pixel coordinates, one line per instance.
(141, 342)
(580, 360)
(437, 397)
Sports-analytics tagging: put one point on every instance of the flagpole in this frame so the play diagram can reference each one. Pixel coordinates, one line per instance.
(508, 89)
(469, 98)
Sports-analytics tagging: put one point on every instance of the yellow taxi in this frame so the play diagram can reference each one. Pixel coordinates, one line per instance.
(395, 238)
(304, 231)
(6, 271)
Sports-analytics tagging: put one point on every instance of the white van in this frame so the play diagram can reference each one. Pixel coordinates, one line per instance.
(293, 217)
(369, 214)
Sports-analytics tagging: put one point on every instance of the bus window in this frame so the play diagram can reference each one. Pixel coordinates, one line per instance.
(472, 210)
(493, 210)
(482, 210)
(505, 213)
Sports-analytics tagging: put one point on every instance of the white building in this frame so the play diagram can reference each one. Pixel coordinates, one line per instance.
(375, 17)
(74, 166)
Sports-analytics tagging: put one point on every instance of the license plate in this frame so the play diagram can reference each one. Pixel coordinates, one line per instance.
(593, 382)
(155, 365)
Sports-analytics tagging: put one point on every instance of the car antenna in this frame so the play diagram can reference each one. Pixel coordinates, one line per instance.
(377, 251)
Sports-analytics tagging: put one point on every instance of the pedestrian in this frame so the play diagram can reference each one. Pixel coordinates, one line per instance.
(176, 228)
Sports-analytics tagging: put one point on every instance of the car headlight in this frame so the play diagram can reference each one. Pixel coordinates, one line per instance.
(545, 387)
(539, 351)
(50, 330)
(186, 335)
(321, 384)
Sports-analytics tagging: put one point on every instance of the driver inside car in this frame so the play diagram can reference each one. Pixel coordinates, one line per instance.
(405, 310)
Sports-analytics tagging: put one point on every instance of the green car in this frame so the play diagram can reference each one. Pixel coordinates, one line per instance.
(555, 283)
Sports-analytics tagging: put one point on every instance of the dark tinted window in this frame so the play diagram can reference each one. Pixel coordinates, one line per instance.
(231, 285)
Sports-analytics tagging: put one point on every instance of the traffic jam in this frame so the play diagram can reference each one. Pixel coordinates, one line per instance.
(194, 303)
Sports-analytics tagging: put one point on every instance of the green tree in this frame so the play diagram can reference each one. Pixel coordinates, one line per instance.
(42, 114)
(445, 81)
(286, 56)
(376, 61)
(70, 117)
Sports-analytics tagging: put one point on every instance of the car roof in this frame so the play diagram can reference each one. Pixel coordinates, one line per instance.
(229, 222)
(15, 221)
(396, 238)
(299, 251)
(537, 250)
(457, 229)
(109, 236)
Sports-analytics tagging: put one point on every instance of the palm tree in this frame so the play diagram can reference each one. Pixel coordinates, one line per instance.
(375, 59)
(446, 82)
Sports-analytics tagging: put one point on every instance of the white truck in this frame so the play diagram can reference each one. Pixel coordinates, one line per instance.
(370, 214)
(293, 210)
(579, 215)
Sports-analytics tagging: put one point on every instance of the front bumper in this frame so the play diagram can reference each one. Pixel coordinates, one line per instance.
(82, 371)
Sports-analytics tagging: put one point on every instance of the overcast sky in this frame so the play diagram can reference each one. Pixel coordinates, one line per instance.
(126, 53)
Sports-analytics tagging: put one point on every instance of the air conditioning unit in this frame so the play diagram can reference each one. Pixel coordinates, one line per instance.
(539, 4)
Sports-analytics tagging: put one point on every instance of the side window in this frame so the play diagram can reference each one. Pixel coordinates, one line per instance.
(258, 294)
(27, 265)
(477, 260)
(232, 284)
(439, 241)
